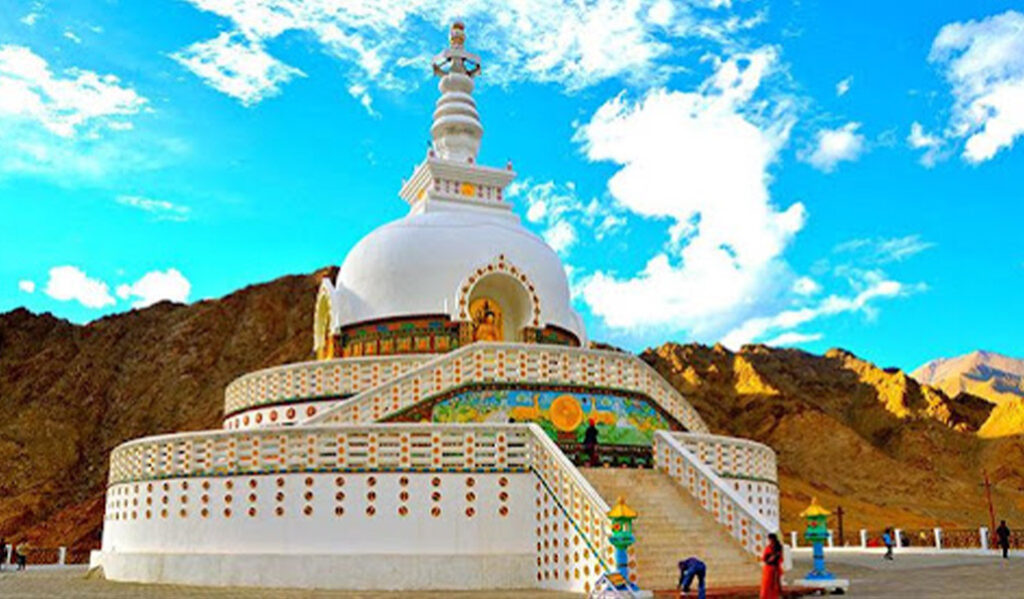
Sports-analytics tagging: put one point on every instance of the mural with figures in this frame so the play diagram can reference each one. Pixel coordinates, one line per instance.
(564, 415)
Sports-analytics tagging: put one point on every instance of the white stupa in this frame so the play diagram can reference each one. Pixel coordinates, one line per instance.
(432, 443)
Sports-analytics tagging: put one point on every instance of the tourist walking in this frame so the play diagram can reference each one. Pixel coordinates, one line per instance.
(688, 569)
(22, 554)
(3, 553)
(1003, 538)
(590, 443)
(887, 540)
(771, 572)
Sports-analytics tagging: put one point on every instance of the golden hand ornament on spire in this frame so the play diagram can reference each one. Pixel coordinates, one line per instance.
(455, 59)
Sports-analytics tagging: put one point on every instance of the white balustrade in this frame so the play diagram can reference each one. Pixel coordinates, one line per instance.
(514, 363)
(406, 447)
(306, 380)
(714, 493)
(731, 457)
(748, 466)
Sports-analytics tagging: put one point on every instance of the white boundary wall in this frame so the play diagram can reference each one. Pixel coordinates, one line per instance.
(357, 531)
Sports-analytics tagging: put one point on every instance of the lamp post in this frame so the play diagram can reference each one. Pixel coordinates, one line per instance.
(622, 537)
(816, 534)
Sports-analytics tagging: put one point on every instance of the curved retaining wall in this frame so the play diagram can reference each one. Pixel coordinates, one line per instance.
(358, 506)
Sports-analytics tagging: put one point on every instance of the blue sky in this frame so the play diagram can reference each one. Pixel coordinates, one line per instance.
(802, 173)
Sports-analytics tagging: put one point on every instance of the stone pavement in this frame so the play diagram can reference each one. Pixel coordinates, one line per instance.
(910, 576)
(70, 583)
(925, 576)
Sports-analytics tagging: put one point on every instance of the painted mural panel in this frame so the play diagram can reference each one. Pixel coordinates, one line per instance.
(565, 416)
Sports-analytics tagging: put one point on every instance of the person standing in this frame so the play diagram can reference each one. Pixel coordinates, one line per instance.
(688, 569)
(22, 554)
(3, 553)
(1003, 538)
(887, 540)
(771, 572)
(590, 444)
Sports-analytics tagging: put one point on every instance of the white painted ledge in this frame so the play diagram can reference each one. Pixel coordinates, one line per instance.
(308, 571)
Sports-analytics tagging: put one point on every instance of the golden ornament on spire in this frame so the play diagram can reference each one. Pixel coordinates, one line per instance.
(457, 36)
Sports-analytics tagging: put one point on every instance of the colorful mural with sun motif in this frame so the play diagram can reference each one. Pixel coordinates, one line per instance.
(565, 416)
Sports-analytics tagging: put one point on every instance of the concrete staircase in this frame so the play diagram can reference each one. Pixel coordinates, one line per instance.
(672, 526)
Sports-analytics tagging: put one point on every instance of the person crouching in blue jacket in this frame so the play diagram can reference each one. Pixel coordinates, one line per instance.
(688, 568)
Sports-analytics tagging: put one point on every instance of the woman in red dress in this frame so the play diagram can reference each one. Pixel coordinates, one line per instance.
(771, 573)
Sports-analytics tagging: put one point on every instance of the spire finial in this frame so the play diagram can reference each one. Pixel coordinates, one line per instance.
(456, 130)
(457, 36)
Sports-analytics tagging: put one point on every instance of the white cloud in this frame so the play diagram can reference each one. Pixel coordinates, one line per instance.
(884, 250)
(359, 92)
(806, 286)
(932, 144)
(574, 44)
(31, 18)
(878, 287)
(833, 146)
(27, 286)
(794, 338)
(983, 61)
(560, 236)
(238, 67)
(68, 34)
(156, 286)
(844, 86)
(63, 103)
(560, 213)
(700, 160)
(69, 283)
(162, 209)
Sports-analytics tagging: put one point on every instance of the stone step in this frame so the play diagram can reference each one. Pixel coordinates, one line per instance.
(672, 526)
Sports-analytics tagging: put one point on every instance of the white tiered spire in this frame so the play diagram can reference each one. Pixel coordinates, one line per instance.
(456, 129)
(450, 178)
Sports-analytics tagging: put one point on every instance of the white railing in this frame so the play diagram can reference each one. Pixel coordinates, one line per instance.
(713, 493)
(731, 457)
(402, 447)
(514, 363)
(585, 510)
(307, 380)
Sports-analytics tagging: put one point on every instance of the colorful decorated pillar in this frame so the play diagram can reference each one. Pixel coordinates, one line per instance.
(817, 534)
(622, 537)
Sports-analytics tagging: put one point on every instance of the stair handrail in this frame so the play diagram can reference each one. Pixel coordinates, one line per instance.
(761, 464)
(678, 407)
(331, 415)
(590, 517)
(740, 518)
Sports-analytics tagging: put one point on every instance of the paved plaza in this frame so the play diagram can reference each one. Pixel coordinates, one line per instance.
(924, 576)
(912, 576)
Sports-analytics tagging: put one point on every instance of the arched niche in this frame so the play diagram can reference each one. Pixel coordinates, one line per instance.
(499, 301)
(323, 343)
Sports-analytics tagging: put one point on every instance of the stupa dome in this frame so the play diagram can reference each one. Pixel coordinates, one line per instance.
(434, 262)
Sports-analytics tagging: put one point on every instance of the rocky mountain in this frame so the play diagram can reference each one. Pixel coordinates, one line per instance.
(993, 377)
(887, 448)
(70, 393)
